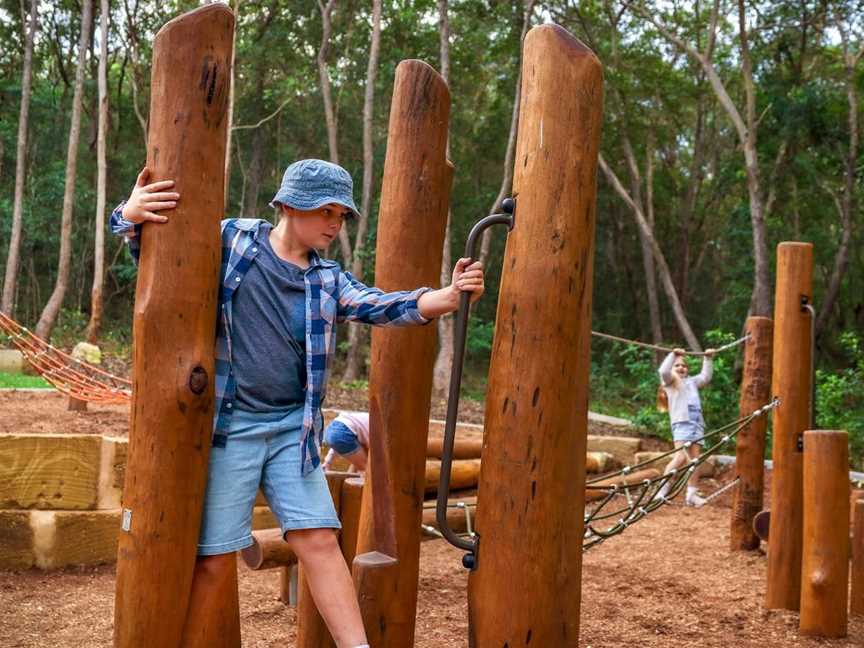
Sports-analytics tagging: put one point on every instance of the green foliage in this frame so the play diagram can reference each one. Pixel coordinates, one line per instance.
(840, 397)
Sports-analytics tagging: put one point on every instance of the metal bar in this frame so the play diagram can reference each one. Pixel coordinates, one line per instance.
(460, 338)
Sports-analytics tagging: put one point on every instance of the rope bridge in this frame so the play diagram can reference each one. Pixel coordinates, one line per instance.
(68, 375)
(644, 496)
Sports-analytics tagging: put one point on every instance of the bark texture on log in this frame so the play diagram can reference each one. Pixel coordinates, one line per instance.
(175, 311)
(529, 521)
(790, 382)
(825, 556)
(411, 223)
(750, 443)
(856, 596)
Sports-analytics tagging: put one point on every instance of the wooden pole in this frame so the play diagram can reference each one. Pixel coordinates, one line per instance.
(531, 498)
(750, 444)
(411, 224)
(462, 448)
(174, 327)
(349, 514)
(856, 597)
(374, 574)
(825, 557)
(790, 382)
(464, 473)
(268, 551)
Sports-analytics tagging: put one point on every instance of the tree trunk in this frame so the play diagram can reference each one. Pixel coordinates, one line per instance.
(230, 117)
(507, 181)
(10, 281)
(648, 260)
(846, 204)
(250, 207)
(355, 331)
(662, 266)
(444, 359)
(52, 308)
(101, 137)
(329, 113)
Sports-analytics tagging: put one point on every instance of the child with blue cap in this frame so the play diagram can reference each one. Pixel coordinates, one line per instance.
(279, 305)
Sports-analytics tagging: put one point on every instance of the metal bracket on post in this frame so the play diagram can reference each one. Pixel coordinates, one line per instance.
(806, 305)
(469, 560)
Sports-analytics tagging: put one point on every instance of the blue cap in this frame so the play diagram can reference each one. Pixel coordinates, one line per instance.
(309, 184)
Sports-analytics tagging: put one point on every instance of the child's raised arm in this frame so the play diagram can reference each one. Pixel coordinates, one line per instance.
(707, 372)
(141, 206)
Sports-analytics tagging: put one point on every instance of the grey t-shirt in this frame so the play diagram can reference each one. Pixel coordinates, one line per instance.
(268, 354)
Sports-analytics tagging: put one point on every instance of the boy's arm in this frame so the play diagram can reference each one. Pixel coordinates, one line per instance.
(665, 370)
(369, 305)
(127, 229)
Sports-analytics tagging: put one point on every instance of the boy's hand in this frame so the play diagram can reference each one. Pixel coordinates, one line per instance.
(468, 278)
(146, 199)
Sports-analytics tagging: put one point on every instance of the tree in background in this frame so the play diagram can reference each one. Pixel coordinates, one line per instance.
(12, 260)
(96, 307)
(52, 308)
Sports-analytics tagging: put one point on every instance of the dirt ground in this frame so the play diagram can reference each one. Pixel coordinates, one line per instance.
(668, 581)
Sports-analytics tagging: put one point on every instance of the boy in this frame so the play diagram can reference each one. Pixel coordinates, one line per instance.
(279, 304)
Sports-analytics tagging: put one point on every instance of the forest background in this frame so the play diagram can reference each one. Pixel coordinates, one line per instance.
(729, 126)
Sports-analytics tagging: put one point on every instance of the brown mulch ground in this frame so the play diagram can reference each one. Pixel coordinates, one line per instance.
(668, 581)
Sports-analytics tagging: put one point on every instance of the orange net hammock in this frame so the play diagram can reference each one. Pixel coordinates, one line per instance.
(68, 375)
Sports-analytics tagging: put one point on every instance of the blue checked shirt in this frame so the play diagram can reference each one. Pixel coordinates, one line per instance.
(332, 296)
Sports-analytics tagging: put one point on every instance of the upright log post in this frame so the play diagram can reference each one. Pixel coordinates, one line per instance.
(750, 444)
(411, 223)
(790, 382)
(532, 482)
(856, 596)
(825, 558)
(174, 331)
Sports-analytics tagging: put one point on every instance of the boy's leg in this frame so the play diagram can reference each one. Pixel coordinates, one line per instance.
(213, 619)
(307, 516)
(330, 582)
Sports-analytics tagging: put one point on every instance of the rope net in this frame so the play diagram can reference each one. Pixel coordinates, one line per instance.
(645, 495)
(68, 375)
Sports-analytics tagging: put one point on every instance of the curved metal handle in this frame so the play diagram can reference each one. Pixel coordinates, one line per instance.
(460, 338)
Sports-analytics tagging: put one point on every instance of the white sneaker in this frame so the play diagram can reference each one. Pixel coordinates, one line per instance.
(694, 500)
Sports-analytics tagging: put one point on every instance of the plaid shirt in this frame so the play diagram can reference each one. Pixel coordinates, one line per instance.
(332, 296)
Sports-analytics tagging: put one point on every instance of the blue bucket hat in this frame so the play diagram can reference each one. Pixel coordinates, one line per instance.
(309, 184)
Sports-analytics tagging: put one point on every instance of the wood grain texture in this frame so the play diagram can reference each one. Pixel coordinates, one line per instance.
(411, 224)
(268, 551)
(174, 331)
(750, 442)
(530, 503)
(49, 471)
(856, 594)
(825, 550)
(790, 382)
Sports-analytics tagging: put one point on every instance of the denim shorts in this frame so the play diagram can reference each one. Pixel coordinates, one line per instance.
(341, 438)
(263, 449)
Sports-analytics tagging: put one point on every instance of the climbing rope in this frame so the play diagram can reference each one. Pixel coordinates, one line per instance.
(652, 493)
(657, 347)
(68, 375)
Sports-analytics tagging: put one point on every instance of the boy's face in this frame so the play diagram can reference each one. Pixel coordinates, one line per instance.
(318, 228)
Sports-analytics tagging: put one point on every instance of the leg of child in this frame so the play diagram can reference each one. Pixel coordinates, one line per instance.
(330, 582)
(678, 460)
